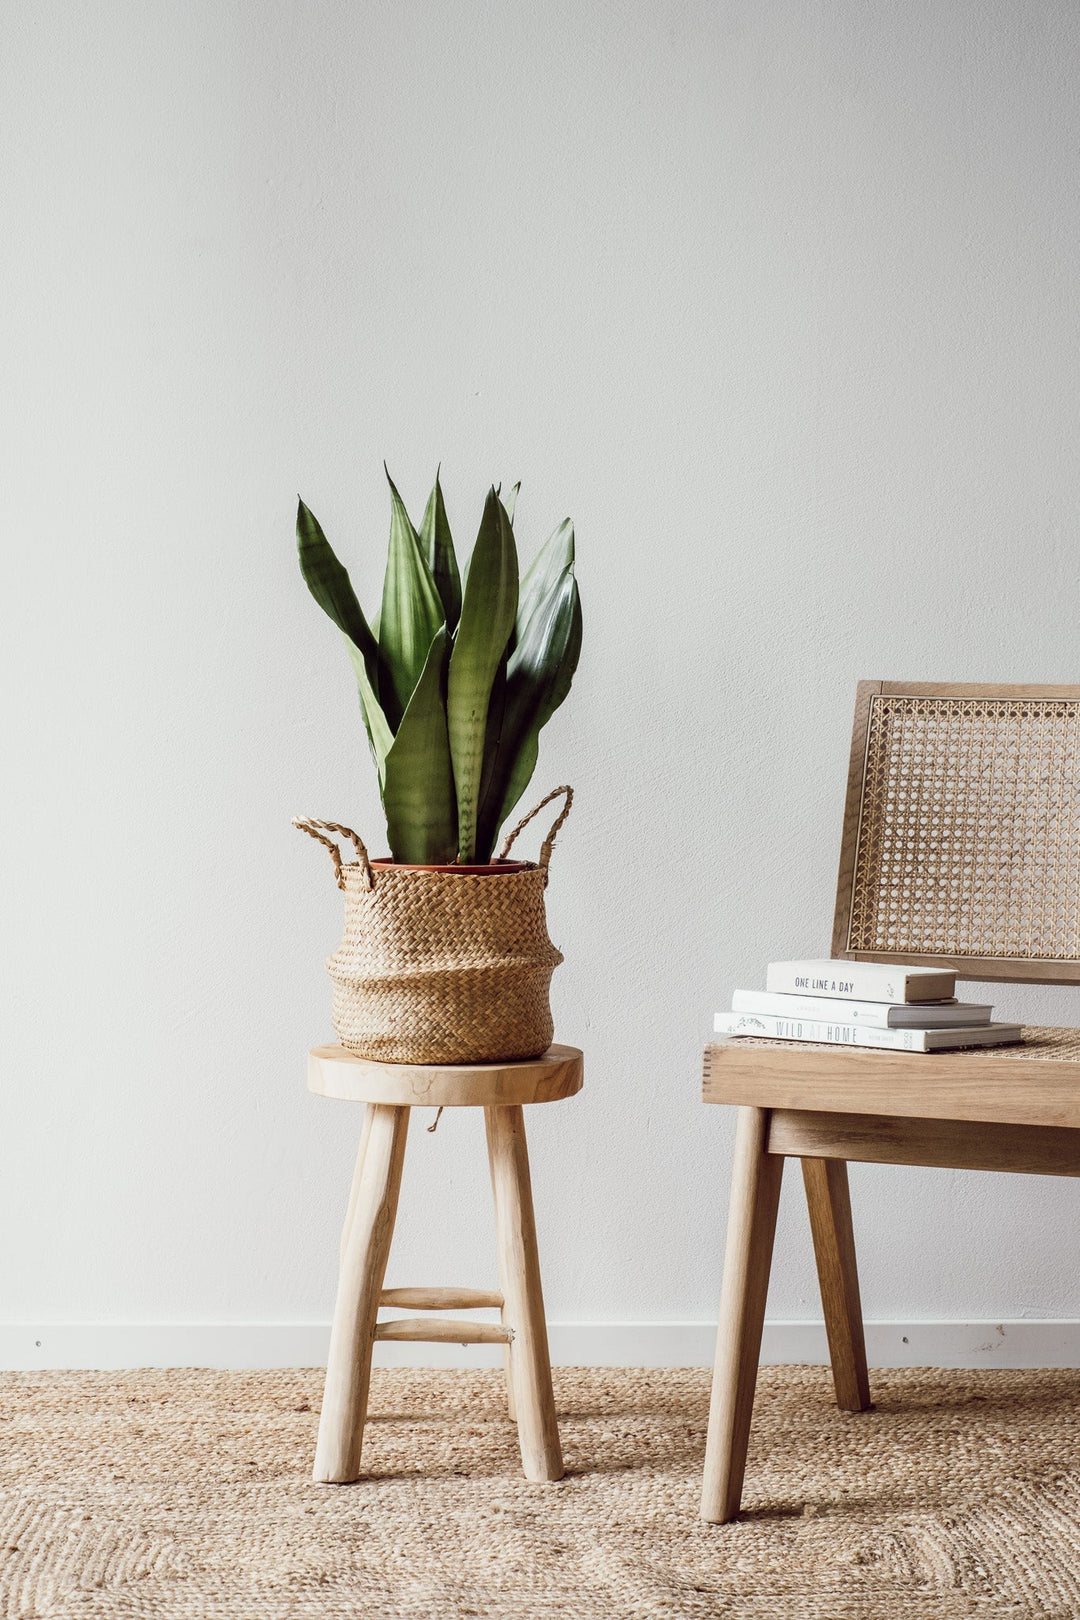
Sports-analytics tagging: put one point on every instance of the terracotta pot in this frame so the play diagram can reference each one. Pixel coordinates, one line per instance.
(455, 869)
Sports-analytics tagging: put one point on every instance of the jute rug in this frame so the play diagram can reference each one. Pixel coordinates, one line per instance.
(186, 1494)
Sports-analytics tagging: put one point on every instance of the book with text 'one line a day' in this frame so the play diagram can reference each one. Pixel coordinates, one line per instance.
(861, 981)
(823, 1033)
(868, 1014)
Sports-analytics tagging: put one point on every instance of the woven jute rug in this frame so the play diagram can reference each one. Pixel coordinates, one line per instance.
(187, 1494)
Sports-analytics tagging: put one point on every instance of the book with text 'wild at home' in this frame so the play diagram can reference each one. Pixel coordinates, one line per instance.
(822, 1032)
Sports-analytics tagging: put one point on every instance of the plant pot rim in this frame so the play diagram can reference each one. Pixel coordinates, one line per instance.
(485, 869)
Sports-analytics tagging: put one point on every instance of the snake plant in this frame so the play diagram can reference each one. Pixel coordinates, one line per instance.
(456, 678)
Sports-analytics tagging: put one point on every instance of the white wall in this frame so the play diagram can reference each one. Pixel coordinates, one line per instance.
(778, 302)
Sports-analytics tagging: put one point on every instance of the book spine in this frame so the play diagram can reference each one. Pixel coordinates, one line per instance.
(868, 1014)
(860, 982)
(809, 1029)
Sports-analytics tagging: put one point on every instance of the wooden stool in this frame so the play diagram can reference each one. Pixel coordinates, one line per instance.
(390, 1090)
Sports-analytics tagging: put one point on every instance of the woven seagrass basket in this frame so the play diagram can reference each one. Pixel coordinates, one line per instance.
(443, 964)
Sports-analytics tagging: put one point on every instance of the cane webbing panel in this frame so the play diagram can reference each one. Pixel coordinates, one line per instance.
(968, 840)
(1041, 1043)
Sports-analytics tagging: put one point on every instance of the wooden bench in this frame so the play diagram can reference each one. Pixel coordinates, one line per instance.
(960, 848)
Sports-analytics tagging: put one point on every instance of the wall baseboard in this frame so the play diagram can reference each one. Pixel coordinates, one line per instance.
(573, 1344)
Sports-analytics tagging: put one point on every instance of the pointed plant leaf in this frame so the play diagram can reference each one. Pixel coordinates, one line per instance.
(418, 784)
(376, 724)
(410, 615)
(539, 675)
(438, 547)
(566, 669)
(488, 611)
(555, 555)
(524, 761)
(510, 501)
(331, 587)
(493, 752)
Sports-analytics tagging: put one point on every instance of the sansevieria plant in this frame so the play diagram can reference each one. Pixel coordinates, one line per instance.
(456, 678)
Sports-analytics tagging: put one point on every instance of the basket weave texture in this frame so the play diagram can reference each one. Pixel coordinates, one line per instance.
(440, 968)
(443, 967)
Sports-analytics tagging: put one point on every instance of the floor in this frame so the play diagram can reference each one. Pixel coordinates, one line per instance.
(187, 1494)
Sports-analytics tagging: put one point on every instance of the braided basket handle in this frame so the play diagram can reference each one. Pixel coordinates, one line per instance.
(309, 825)
(549, 842)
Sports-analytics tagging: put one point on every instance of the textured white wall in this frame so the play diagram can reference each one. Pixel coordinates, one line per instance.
(778, 302)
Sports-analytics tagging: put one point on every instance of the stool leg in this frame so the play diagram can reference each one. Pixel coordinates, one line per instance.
(523, 1311)
(829, 1203)
(360, 1280)
(755, 1195)
(354, 1190)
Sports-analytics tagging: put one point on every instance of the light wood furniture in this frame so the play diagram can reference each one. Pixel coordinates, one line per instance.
(960, 848)
(390, 1090)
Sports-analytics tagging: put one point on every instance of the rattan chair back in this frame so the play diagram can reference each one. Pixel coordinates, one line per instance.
(961, 842)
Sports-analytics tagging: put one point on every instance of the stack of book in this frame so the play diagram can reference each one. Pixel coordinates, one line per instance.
(898, 1009)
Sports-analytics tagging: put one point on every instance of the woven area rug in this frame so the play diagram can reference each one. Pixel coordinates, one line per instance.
(187, 1494)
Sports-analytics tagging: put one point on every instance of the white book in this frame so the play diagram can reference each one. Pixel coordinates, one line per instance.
(861, 981)
(867, 1014)
(765, 1025)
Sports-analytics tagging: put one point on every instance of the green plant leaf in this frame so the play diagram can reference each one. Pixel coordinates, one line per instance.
(510, 501)
(331, 587)
(418, 781)
(487, 618)
(538, 677)
(547, 567)
(375, 722)
(438, 547)
(410, 615)
(492, 752)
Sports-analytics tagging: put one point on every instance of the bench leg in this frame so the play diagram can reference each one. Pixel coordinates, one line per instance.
(523, 1310)
(827, 1198)
(366, 1246)
(755, 1195)
(511, 1404)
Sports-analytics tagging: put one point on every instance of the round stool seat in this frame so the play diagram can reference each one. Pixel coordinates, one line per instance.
(335, 1072)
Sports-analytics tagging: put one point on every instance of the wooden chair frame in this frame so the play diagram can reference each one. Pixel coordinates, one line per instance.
(1012, 1109)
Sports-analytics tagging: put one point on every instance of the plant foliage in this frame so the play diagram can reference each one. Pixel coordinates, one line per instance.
(456, 679)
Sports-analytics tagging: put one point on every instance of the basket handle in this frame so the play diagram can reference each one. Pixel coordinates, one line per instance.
(309, 825)
(549, 842)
